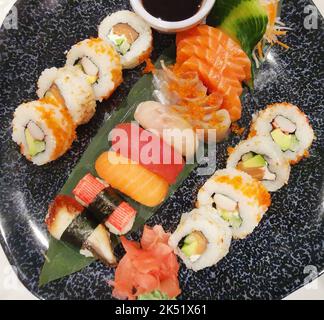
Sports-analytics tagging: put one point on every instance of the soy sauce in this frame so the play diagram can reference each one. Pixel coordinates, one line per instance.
(172, 10)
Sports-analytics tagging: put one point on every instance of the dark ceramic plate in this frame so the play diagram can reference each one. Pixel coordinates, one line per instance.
(270, 264)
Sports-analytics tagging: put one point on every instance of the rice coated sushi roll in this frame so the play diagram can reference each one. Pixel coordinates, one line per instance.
(43, 130)
(130, 35)
(68, 221)
(289, 128)
(169, 125)
(239, 199)
(201, 239)
(105, 204)
(69, 86)
(262, 159)
(100, 62)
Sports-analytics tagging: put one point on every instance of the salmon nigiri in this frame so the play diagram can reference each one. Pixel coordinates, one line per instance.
(132, 179)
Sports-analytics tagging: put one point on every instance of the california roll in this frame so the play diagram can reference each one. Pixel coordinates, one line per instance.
(130, 35)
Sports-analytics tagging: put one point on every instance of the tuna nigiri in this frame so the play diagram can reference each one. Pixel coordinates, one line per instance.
(147, 149)
(132, 179)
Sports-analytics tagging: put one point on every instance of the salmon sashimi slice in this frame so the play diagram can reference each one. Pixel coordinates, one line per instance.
(211, 77)
(229, 88)
(217, 59)
(209, 37)
(233, 105)
(147, 267)
(235, 55)
(220, 62)
(132, 179)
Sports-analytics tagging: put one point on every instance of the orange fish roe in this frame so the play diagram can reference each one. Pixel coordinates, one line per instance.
(149, 68)
(196, 105)
(62, 129)
(102, 47)
(117, 76)
(252, 133)
(254, 190)
(237, 129)
(296, 161)
(230, 150)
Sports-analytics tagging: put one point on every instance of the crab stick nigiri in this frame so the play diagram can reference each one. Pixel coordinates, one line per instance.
(132, 179)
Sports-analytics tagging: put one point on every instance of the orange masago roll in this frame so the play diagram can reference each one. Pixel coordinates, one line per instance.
(132, 179)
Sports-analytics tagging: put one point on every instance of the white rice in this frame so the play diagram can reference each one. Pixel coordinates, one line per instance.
(216, 231)
(271, 152)
(75, 89)
(262, 124)
(249, 207)
(106, 59)
(141, 48)
(117, 232)
(65, 129)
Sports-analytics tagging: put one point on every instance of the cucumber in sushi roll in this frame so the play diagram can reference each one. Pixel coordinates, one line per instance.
(68, 221)
(43, 130)
(130, 35)
(262, 159)
(239, 199)
(69, 86)
(288, 127)
(201, 239)
(100, 62)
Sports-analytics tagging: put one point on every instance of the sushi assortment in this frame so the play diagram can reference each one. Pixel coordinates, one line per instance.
(92, 73)
(239, 195)
(198, 94)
